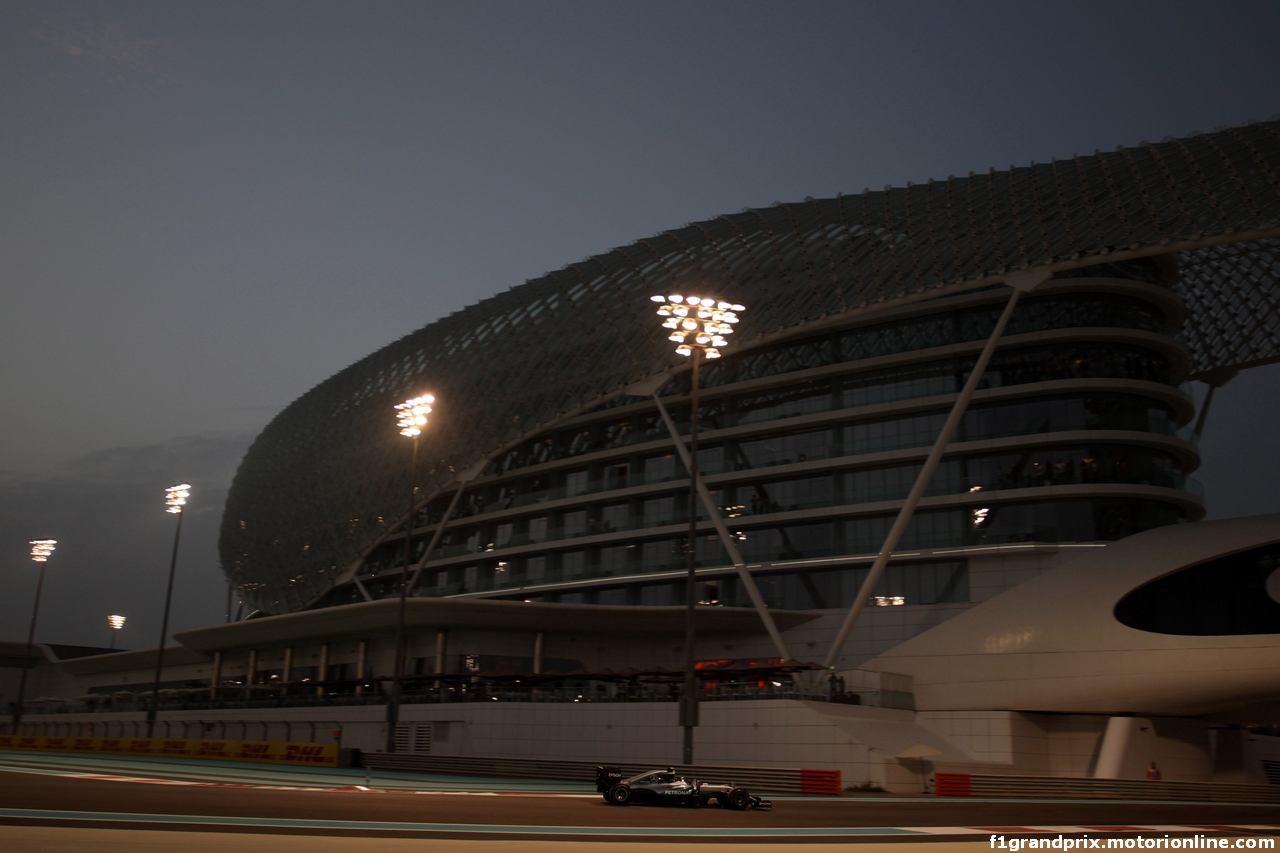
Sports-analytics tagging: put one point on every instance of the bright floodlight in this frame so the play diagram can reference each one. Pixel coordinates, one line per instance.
(42, 548)
(175, 497)
(116, 622)
(411, 415)
(696, 321)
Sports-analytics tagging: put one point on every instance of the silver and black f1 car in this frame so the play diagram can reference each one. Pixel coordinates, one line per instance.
(670, 787)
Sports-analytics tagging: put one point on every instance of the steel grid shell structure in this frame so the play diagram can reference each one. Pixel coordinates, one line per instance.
(321, 489)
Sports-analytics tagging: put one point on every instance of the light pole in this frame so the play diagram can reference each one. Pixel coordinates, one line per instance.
(698, 326)
(411, 417)
(40, 551)
(175, 498)
(116, 623)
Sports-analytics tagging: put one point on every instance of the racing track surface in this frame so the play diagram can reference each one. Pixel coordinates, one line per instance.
(562, 817)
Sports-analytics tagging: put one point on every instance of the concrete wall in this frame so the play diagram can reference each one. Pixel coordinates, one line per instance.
(43, 679)
(1075, 745)
(770, 733)
(1242, 756)
(1053, 643)
(894, 749)
(1058, 745)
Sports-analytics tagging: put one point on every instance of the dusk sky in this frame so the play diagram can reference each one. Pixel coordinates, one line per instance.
(207, 208)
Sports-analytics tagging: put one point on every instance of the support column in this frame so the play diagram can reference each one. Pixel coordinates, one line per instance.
(362, 662)
(1127, 745)
(1020, 282)
(538, 640)
(322, 672)
(250, 669)
(286, 670)
(215, 677)
(442, 642)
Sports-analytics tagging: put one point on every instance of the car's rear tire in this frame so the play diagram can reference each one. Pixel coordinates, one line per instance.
(619, 795)
(738, 799)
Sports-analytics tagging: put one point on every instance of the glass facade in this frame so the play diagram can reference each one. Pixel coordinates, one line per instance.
(809, 445)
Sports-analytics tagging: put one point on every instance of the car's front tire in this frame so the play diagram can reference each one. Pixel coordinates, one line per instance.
(619, 795)
(738, 799)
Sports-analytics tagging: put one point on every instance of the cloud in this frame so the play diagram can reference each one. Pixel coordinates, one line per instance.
(106, 509)
(111, 49)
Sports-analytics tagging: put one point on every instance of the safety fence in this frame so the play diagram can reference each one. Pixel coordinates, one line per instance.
(271, 752)
(1070, 787)
(261, 696)
(308, 731)
(766, 780)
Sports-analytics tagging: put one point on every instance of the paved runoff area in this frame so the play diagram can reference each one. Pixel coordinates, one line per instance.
(73, 802)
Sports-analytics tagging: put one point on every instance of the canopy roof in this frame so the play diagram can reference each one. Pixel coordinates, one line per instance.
(327, 478)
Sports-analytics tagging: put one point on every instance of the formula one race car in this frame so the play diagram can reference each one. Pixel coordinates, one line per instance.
(669, 787)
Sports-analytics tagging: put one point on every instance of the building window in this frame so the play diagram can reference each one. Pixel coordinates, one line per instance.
(615, 559)
(660, 556)
(535, 570)
(615, 476)
(575, 483)
(614, 517)
(660, 468)
(660, 511)
(616, 595)
(572, 564)
(783, 449)
(575, 523)
(657, 595)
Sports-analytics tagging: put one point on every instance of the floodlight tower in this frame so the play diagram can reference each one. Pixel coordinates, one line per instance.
(175, 498)
(697, 326)
(117, 624)
(41, 549)
(411, 417)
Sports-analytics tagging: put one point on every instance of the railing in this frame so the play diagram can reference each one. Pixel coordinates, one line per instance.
(569, 691)
(307, 731)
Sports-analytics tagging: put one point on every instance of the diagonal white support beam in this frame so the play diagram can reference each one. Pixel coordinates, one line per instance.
(1020, 283)
(363, 591)
(465, 477)
(713, 512)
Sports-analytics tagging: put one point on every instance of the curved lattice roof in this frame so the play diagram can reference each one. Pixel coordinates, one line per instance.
(327, 477)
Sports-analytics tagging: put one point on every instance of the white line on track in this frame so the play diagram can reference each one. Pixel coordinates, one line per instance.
(115, 777)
